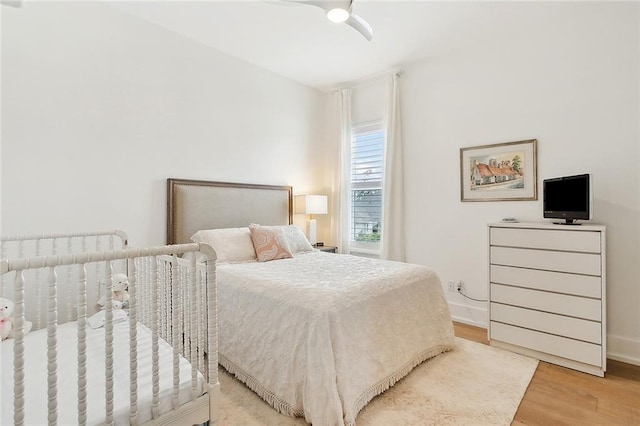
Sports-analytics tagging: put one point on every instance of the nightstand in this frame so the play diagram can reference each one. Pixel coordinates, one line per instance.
(328, 249)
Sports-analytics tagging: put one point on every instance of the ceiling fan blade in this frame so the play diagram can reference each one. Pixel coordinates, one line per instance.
(360, 25)
(325, 5)
(354, 21)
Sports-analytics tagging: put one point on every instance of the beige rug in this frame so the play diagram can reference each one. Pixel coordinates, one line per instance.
(472, 385)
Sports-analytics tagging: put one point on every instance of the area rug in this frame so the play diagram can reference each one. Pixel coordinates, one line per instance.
(474, 384)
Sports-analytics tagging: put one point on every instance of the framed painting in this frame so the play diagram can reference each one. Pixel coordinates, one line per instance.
(499, 172)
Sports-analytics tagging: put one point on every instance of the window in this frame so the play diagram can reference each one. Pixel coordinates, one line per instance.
(367, 154)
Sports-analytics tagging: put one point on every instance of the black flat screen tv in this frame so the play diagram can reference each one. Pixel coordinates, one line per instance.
(567, 198)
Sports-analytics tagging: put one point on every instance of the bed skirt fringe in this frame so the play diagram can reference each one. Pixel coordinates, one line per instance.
(285, 408)
(278, 404)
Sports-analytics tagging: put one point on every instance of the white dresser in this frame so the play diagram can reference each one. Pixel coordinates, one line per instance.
(547, 291)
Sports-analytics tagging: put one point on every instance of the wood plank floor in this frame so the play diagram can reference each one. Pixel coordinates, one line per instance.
(561, 396)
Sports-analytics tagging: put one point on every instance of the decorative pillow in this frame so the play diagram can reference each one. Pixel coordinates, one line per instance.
(231, 244)
(269, 242)
(298, 243)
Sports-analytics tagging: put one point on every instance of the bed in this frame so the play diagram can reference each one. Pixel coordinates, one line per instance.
(155, 362)
(316, 335)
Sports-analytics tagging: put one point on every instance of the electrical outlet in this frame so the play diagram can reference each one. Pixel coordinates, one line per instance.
(451, 285)
(459, 286)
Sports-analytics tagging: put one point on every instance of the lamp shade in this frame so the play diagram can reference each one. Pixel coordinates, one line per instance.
(311, 204)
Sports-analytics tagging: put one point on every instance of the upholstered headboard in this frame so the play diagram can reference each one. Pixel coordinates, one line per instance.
(193, 205)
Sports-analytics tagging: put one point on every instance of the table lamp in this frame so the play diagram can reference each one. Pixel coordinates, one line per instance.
(311, 204)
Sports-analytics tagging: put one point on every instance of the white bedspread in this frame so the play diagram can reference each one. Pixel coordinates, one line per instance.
(36, 376)
(321, 334)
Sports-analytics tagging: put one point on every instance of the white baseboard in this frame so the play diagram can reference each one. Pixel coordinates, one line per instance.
(623, 349)
(468, 314)
(618, 348)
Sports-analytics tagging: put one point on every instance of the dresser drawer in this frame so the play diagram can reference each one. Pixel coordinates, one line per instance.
(587, 353)
(559, 282)
(579, 263)
(579, 307)
(574, 328)
(580, 241)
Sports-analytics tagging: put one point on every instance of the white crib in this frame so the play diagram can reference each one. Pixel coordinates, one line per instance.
(157, 366)
(36, 245)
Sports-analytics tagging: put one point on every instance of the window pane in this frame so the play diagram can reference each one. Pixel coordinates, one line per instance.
(366, 184)
(366, 157)
(366, 214)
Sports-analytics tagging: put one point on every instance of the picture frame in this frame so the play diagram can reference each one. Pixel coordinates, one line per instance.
(499, 172)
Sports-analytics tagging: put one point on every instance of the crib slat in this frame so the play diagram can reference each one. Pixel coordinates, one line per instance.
(52, 349)
(212, 318)
(155, 368)
(188, 312)
(18, 351)
(175, 316)
(146, 280)
(38, 318)
(133, 345)
(193, 316)
(82, 345)
(161, 296)
(108, 340)
(202, 322)
(70, 289)
(184, 311)
(168, 314)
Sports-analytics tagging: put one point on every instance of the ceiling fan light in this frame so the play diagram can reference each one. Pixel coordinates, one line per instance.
(338, 15)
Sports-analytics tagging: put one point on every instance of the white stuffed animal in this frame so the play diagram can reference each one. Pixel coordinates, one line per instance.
(6, 322)
(120, 292)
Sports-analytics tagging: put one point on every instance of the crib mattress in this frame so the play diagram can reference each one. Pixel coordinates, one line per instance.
(36, 376)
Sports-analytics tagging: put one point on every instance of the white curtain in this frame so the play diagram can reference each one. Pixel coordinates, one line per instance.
(344, 109)
(393, 232)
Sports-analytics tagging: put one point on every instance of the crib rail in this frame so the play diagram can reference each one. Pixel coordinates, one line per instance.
(191, 299)
(51, 236)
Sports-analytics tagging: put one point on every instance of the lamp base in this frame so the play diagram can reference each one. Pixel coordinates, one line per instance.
(312, 226)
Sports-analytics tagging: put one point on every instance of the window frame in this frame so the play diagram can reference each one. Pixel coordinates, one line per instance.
(366, 247)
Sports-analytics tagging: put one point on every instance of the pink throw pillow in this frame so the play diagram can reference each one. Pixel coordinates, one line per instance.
(270, 242)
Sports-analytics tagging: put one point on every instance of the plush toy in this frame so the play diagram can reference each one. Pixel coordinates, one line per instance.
(120, 292)
(98, 319)
(6, 321)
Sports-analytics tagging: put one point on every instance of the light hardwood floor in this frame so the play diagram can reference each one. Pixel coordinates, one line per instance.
(561, 396)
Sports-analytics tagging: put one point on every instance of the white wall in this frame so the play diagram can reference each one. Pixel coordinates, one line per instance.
(368, 101)
(572, 83)
(99, 108)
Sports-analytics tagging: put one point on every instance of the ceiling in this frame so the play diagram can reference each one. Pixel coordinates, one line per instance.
(298, 42)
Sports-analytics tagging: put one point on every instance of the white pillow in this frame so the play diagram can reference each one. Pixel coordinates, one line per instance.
(298, 243)
(231, 244)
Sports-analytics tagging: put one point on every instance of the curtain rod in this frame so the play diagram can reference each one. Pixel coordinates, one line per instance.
(370, 79)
